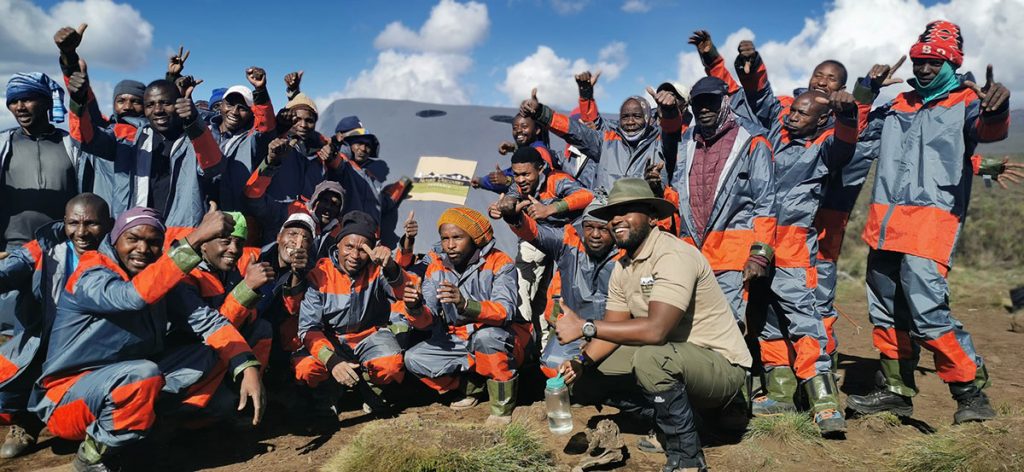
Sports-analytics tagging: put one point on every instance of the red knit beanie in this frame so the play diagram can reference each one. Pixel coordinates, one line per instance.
(940, 40)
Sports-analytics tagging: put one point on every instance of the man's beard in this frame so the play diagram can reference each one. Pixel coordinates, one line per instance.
(635, 239)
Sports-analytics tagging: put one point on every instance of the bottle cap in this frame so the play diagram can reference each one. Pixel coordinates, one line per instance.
(555, 383)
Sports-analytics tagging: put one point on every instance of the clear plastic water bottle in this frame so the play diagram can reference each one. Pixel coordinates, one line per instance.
(556, 399)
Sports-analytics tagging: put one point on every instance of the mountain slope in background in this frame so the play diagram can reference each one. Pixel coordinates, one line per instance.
(1014, 143)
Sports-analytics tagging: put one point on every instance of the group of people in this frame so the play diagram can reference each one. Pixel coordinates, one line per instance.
(161, 264)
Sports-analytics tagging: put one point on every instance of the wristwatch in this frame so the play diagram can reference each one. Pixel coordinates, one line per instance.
(589, 330)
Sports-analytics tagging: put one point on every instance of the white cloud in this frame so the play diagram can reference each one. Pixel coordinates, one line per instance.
(553, 75)
(427, 65)
(424, 77)
(118, 37)
(569, 7)
(452, 27)
(854, 32)
(636, 6)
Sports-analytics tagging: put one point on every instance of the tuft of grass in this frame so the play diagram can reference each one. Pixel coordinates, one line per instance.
(981, 446)
(402, 445)
(789, 429)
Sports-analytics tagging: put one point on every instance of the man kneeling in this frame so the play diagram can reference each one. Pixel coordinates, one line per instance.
(678, 335)
(468, 302)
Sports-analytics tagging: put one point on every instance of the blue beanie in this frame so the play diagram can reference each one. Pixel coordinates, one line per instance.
(217, 95)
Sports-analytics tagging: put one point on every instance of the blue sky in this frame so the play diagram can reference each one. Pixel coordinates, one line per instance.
(339, 44)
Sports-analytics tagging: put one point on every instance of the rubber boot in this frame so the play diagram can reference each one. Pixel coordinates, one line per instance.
(971, 403)
(780, 386)
(823, 395)
(502, 397)
(893, 393)
(91, 456)
(675, 419)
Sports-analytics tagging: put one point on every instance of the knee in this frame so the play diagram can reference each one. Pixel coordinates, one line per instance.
(310, 372)
(413, 361)
(386, 369)
(491, 339)
(649, 368)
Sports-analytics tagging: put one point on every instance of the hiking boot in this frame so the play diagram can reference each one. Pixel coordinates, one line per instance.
(879, 401)
(19, 439)
(764, 406)
(823, 395)
(464, 403)
(971, 404)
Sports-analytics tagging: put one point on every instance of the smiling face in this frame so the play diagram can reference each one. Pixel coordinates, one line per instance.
(925, 70)
(631, 116)
(222, 253)
(361, 150)
(828, 77)
(158, 106)
(327, 207)
(290, 239)
(351, 254)
(31, 113)
(632, 226)
(597, 239)
(138, 247)
(86, 225)
(526, 175)
(235, 112)
(457, 244)
(524, 130)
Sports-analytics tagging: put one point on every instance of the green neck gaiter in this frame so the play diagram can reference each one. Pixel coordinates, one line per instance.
(946, 81)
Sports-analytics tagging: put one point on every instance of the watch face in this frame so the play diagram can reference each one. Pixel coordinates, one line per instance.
(589, 329)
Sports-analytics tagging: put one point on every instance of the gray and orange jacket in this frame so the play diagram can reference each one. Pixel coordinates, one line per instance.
(923, 178)
(743, 219)
(37, 271)
(338, 310)
(275, 191)
(804, 168)
(364, 185)
(100, 175)
(489, 284)
(105, 317)
(242, 152)
(584, 281)
(843, 184)
(613, 157)
(238, 305)
(195, 162)
(561, 190)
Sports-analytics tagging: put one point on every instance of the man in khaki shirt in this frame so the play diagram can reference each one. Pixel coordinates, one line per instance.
(679, 338)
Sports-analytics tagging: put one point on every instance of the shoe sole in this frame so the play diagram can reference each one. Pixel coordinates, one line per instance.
(973, 419)
(902, 412)
(830, 428)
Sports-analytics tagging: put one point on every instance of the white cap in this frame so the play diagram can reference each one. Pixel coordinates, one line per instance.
(300, 218)
(677, 88)
(241, 90)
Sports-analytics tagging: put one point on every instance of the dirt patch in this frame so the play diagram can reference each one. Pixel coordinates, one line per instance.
(282, 445)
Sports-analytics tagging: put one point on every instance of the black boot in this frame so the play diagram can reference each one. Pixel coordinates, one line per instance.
(971, 403)
(883, 399)
(674, 417)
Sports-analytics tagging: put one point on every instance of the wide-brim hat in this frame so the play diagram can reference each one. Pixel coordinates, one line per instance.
(630, 191)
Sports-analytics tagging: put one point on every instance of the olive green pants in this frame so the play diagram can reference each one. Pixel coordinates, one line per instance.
(710, 380)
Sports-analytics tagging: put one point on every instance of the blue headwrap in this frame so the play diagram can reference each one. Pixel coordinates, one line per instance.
(37, 85)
